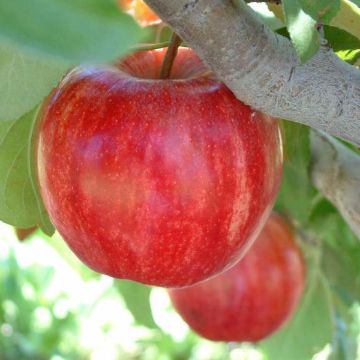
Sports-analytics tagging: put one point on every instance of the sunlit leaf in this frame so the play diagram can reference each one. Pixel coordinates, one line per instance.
(346, 46)
(136, 297)
(321, 10)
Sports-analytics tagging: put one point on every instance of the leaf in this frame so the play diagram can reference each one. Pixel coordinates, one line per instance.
(302, 30)
(312, 326)
(340, 265)
(345, 345)
(356, 2)
(341, 251)
(348, 18)
(25, 79)
(346, 45)
(43, 219)
(350, 56)
(76, 31)
(19, 204)
(296, 192)
(137, 300)
(267, 16)
(321, 10)
(309, 330)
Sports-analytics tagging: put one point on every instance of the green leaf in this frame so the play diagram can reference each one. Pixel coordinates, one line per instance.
(340, 265)
(19, 204)
(309, 330)
(137, 300)
(75, 31)
(346, 46)
(25, 79)
(321, 10)
(341, 251)
(296, 192)
(43, 219)
(302, 30)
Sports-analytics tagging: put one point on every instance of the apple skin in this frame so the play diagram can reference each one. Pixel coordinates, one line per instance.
(164, 182)
(140, 12)
(255, 297)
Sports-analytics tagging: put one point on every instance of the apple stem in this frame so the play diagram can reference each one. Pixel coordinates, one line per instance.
(169, 58)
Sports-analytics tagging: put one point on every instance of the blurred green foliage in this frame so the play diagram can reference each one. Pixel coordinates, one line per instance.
(30, 326)
(53, 307)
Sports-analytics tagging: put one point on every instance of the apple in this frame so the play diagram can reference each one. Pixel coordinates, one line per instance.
(164, 182)
(254, 298)
(140, 11)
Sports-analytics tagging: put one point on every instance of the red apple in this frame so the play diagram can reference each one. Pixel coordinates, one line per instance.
(255, 297)
(140, 11)
(164, 182)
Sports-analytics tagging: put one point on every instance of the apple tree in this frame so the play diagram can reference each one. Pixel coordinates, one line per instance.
(296, 60)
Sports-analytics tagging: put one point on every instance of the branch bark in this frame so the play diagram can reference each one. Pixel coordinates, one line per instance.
(336, 173)
(262, 68)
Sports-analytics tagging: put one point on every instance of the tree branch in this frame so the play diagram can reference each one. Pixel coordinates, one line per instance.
(336, 173)
(262, 68)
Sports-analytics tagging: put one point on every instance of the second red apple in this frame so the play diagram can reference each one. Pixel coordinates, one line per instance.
(254, 298)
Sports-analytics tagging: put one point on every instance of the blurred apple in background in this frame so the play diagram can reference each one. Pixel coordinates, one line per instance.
(254, 298)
